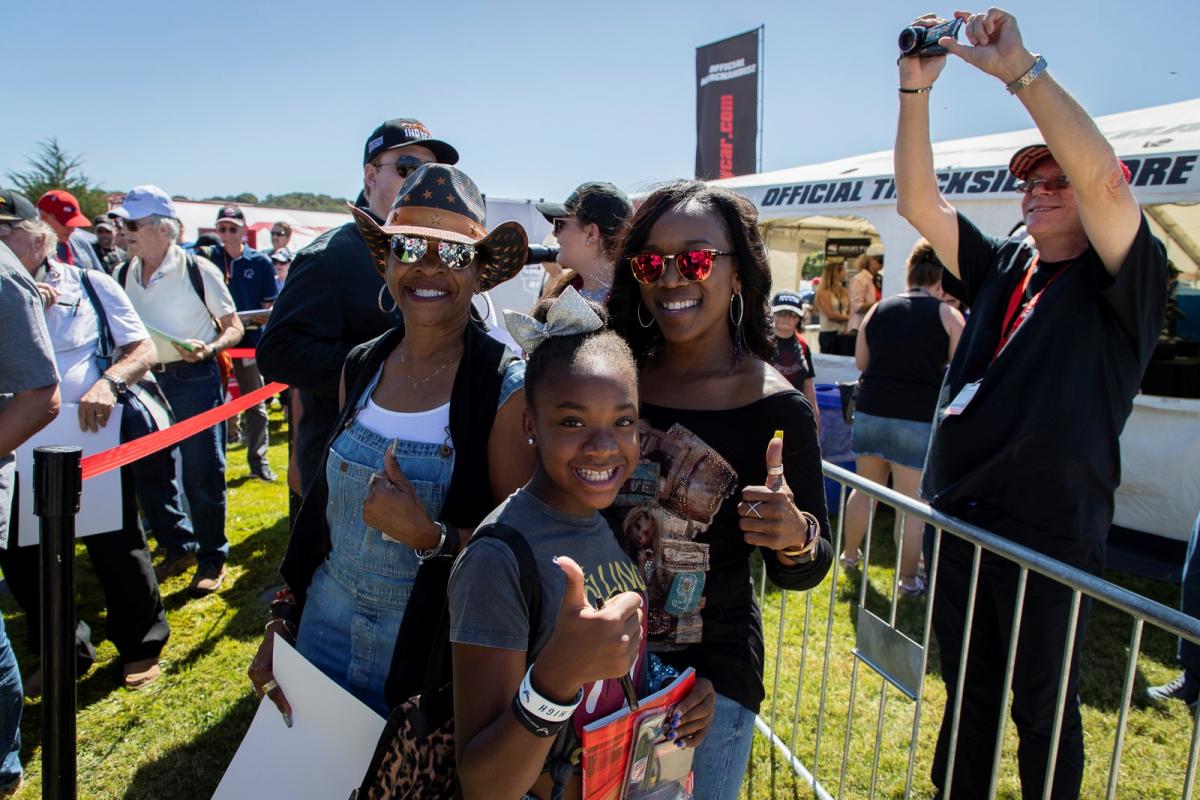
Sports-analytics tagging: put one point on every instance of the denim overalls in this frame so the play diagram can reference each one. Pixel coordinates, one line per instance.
(357, 597)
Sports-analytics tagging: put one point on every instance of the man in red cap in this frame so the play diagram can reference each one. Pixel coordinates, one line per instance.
(1064, 318)
(60, 210)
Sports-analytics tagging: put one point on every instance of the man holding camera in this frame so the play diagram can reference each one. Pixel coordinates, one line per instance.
(1025, 443)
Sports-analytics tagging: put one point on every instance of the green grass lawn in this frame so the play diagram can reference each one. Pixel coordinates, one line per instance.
(174, 738)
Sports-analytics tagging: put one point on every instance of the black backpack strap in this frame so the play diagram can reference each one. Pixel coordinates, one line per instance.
(106, 346)
(122, 273)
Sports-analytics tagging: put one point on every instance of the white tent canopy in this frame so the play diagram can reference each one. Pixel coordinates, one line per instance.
(1161, 144)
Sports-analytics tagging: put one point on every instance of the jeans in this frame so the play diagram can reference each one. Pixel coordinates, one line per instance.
(720, 761)
(1189, 652)
(358, 596)
(192, 389)
(245, 370)
(11, 703)
(156, 483)
(1038, 663)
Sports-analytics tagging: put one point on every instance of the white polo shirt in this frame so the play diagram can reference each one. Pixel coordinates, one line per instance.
(75, 330)
(168, 303)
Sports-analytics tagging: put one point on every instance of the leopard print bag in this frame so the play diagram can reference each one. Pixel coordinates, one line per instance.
(414, 758)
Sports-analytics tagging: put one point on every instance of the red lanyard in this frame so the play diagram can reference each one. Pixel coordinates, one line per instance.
(1017, 311)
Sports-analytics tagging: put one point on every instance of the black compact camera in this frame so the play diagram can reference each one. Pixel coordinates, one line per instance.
(923, 42)
(540, 255)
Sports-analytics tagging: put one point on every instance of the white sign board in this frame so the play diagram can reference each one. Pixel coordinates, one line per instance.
(323, 755)
(100, 505)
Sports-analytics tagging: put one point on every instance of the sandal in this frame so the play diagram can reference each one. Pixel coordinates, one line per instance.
(139, 674)
(848, 563)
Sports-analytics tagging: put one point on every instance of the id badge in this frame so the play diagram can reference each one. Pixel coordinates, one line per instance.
(962, 399)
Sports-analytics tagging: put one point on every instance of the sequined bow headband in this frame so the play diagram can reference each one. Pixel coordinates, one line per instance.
(570, 315)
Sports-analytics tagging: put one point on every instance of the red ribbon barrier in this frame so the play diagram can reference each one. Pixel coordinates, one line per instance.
(119, 456)
(240, 352)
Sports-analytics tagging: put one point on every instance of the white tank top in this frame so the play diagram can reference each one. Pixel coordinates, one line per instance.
(432, 426)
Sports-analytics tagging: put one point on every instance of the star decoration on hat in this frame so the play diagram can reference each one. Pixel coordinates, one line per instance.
(428, 194)
(450, 199)
(441, 181)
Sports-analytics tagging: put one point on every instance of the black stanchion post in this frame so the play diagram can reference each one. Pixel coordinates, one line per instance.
(58, 482)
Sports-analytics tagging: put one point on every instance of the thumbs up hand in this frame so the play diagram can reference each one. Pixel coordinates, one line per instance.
(393, 508)
(767, 514)
(588, 644)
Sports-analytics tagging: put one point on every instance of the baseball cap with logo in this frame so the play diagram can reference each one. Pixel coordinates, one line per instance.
(231, 213)
(62, 205)
(787, 301)
(399, 132)
(15, 207)
(101, 221)
(144, 201)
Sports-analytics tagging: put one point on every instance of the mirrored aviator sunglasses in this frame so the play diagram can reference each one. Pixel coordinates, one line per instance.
(692, 265)
(409, 249)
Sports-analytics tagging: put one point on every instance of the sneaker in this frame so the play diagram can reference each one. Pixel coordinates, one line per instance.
(849, 564)
(1184, 687)
(208, 579)
(264, 473)
(171, 566)
(914, 589)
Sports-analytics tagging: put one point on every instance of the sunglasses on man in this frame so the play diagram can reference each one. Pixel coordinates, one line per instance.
(692, 265)
(409, 249)
(130, 225)
(279, 233)
(405, 165)
(228, 229)
(1049, 184)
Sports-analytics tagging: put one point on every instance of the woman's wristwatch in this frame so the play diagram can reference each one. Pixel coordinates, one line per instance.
(804, 554)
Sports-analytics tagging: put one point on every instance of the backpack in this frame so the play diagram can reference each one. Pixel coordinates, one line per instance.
(415, 757)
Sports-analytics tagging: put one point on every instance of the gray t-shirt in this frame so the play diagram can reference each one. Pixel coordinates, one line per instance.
(486, 605)
(26, 359)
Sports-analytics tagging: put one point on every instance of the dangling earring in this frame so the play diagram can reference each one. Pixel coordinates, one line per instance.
(738, 336)
(639, 317)
(379, 302)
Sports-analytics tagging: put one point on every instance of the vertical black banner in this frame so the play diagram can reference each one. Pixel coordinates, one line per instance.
(727, 107)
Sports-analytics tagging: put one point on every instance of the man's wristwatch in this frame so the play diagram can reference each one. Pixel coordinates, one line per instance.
(118, 384)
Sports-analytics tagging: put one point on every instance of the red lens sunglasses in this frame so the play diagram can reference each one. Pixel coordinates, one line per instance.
(692, 265)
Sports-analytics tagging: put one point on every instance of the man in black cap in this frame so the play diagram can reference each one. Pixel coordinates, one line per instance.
(1025, 439)
(111, 256)
(586, 227)
(334, 297)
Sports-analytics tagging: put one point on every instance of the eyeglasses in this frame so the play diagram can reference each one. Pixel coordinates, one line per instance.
(405, 165)
(692, 265)
(130, 225)
(1049, 184)
(279, 233)
(560, 223)
(411, 249)
(228, 229)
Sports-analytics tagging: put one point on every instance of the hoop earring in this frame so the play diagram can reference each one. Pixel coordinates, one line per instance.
(639, 317)
(379, 301)
(737, 323)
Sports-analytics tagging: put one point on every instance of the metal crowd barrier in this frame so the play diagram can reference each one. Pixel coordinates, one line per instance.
(901, 663)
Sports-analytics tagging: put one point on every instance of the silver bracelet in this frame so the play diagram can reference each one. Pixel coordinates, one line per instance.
(541, 707)
(425, 555)
(1039, 66)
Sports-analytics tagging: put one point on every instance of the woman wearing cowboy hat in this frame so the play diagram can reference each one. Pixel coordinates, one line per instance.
(431, 413)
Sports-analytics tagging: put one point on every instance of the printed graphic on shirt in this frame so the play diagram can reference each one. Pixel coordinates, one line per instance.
(672, 497)
(794, 361)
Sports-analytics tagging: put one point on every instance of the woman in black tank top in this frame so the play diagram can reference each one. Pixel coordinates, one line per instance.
(903, 347)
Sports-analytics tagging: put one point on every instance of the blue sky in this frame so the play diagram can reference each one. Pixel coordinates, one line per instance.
(266, 97)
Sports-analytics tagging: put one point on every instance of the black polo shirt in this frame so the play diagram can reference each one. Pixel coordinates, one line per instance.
(1039, 440)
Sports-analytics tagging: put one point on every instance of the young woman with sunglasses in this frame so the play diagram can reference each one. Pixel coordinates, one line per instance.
(429, 440)
(714, 482)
